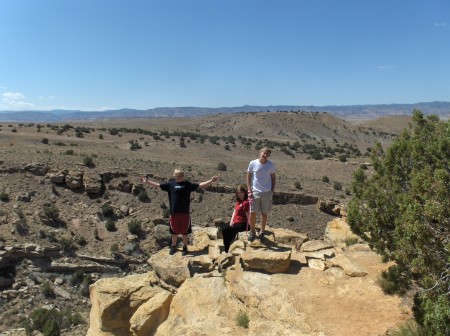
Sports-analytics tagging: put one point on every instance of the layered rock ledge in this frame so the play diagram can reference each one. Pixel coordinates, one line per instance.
(284, 285)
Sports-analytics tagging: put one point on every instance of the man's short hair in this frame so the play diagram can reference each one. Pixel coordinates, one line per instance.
(266, 149)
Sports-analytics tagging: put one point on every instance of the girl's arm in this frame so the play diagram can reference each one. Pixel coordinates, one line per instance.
(232, 218)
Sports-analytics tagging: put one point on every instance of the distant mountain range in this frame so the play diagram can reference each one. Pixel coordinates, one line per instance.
(442, 109)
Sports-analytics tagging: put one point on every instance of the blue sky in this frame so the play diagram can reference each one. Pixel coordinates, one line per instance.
(103, 54)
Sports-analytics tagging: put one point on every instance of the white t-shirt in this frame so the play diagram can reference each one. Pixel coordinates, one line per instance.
(261, 179)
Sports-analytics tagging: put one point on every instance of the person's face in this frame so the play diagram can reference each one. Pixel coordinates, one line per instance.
(179, 177)
(263, 156)
(240, 194)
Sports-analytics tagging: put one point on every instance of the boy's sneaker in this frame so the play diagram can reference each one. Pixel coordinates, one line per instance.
(185, 251)
(251, 236)
(173, 249)
(261, 236)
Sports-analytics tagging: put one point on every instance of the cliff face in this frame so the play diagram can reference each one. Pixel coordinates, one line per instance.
(284, 285)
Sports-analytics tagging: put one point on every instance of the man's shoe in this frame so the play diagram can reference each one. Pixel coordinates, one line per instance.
(261, 236)
(251, 236)
(173, 249)
(185, 251)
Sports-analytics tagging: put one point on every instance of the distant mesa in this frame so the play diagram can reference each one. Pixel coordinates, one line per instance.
(441, 109)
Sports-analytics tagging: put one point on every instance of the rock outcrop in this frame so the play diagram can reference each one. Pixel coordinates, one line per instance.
(263, 288)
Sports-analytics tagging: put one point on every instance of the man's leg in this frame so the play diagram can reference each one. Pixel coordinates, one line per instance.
(174, 239)
(252, 233)
(252, 221)
(263, 221)
(266, 203)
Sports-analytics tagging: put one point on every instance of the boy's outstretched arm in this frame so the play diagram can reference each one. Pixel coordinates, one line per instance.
(207, 183)
(150, 183)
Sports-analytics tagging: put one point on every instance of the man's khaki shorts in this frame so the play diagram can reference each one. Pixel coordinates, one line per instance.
(262, 202)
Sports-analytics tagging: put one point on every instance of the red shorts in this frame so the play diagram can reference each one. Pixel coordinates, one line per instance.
(180, 224)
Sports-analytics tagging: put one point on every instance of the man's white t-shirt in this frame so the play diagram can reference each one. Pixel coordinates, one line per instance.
(261, 179)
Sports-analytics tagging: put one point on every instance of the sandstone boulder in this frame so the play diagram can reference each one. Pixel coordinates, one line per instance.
(338, 232)
(116, 300)
(39, 169)
(315, 245)
(92, 183)
(121, 185)
(162, 235)
(201, 264)
(349, 267)
(200, 239)
(267, 261)
(151, 314)
(74, 179)
(172, 269)
(327, 206)
(289, 237)
(57, 177)
(202, 306)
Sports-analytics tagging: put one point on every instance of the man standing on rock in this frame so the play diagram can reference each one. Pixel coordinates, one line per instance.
(261, 185)
(179, 192)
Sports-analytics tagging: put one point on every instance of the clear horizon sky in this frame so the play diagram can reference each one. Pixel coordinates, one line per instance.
(103, 54)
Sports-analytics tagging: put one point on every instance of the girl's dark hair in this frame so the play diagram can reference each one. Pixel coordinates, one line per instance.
(241, 187)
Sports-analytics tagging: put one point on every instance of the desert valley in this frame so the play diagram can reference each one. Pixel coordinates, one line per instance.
(73, 211)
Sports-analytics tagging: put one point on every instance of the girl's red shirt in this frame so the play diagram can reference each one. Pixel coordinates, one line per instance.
(240, 209)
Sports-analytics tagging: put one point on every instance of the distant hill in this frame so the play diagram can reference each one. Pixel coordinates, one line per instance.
(442, 109)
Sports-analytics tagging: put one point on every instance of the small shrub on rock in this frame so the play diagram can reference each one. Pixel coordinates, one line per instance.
(76, 277)
(4, 197)
(143, 196)
(114, 249)
(51, 211)
(110, 225)
(81, 241)
(351, 241)
(21, 227)
(47, 290)
(221, 166)
(337, 185)
(107, 210)
(134, 145)
(66, 245)
(316, 155)
(242, 319)
(43, 318)
(135, 227)
(71, 319)
(84, 286)
(96, 236)
(88, 161)
(325, 179)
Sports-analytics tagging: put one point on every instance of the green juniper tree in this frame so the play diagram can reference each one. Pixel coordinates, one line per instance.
(403, 211)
